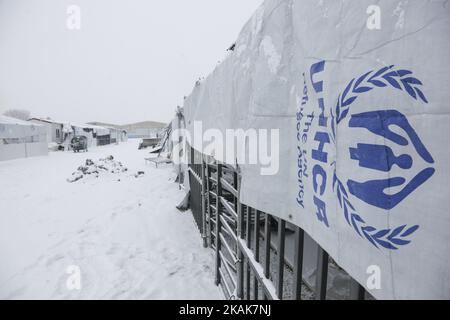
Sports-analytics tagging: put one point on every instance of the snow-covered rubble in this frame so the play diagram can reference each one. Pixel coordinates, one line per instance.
(94, 169)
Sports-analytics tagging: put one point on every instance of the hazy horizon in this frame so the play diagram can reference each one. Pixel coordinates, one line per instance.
(131, 61)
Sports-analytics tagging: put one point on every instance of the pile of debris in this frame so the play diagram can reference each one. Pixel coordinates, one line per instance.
(94, 169)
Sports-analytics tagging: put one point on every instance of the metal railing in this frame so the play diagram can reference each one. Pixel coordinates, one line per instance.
(250, 245)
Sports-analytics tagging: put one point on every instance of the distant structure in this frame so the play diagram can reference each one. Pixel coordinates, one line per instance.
(55, 129)
(117, 132)
(21, 139)
(145, 129)
(105, 124)
(60, 133)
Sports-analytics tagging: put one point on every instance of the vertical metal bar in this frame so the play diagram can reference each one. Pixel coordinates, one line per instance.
(236, 205)
(235, 184)
(247, 281)
(191, 160)
(249, 245)
(357, 291)
(257, 215)
(248, 236)
(208, 205)
(281, 241)
(180, 139)
(240, 265)
(219, 193)
(257, 218)
(203, 188)
(242, 220)
(321, 274)
(267, 249)
(298, 263)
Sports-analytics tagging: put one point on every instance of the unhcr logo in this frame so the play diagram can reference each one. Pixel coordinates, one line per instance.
(393, 173)
(383, 160)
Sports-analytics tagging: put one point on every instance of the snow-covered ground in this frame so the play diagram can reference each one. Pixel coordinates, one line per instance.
(124, 232)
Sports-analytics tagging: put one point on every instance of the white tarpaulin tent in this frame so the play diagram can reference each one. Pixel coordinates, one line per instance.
(21, 139)
(99, 131)
(17, 131)
(363, 122)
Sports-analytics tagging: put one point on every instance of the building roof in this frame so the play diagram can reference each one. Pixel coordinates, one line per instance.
(145, 125)
(48, 120)
(132, 126)
(9, 120)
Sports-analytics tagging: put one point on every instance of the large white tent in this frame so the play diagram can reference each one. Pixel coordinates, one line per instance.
(362, 118)
(21, 139)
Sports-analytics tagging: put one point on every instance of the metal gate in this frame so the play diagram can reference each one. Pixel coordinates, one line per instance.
(250, 256)
(196, 184)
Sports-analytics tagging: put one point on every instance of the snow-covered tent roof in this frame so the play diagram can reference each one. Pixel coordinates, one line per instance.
(101, 131)
(9, 120)
(67, 126)
(16, 130)
(48, 120)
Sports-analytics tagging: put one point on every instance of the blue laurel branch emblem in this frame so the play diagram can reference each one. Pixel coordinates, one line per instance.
(386, 77)
(399, 79)
(386, 238)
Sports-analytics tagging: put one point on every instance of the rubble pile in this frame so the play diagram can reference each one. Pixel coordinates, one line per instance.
(94, 169)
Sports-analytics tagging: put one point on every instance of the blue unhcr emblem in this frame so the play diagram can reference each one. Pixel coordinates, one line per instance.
(381, 157)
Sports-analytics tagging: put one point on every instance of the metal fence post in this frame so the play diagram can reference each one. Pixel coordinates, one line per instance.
(281, 242)
(219, 193)
(257, 215)
(204, 231)
(240, 223)
(321, 274)
(267, 236)
(208, 205)
(298, 263)
(249, 245)
(357, 291)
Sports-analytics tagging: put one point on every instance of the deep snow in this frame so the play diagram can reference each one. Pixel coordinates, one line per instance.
(126, 236)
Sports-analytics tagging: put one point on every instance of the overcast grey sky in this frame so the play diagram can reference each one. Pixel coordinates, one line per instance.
(132, 60)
